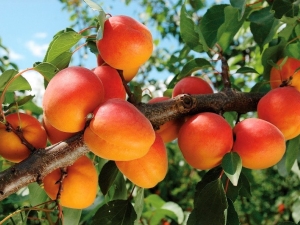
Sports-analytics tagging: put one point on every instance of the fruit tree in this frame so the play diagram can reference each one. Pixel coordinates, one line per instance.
(217, 143)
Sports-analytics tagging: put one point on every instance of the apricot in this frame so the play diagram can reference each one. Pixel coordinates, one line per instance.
(204, 139)
(259, 143)
(281, 107)
(150, 169)
(70, 96)
(130, 73)
(168, 131)
(286, 70)
(100, 61)
(79, 187)
(54, 135)
(119, 131)
(192, 85)
(11, 147)
(112, 82)
(126, 43)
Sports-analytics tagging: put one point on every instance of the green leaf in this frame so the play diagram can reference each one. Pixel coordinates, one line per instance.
(61, 43)
(18, 84)
(293, 50)
(286, 223)
(211, 205)
(246, 69)
(157, 215)
(229, 28)
(32, 107)
(107, 176)
(232, 216)
(190, 67)
(37, 195)
(71, 216)
(118, 190)
(154, 201)
(20, 102)
(93, 5)
(139, 203)
(188, 31)
(210, 23)
(262, 26)
(240, 5)
(47, 70)
(232, 165)
(292, 152)
(245, 190)
(289, 8)
(176, 209)
(116, 212)
(62, 61)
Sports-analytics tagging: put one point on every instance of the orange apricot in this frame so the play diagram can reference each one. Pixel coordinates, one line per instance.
(79, 187)
(150, 169)
(11, 147)
(126, 43)
(119, 131)
(192, 85)
(204, 139)
(70, 96)
(259, 143)
(112, 82)
(130, 73)
(287, 69)
(281, 107)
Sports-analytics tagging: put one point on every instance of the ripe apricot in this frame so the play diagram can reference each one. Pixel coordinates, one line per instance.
(79, 187)
(126, 43)
(168, 131)
(148, 170)
(281, 107)
(119, 131)
(11, 147)
(112, 82)
(204, 139)
(286, 70)
(259, 143)
(70, 96)
(130, 73)
(192, 85)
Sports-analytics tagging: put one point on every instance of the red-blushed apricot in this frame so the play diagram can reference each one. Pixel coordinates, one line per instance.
(149, 170)
(126, 43)
(11, 147)
(130, 73)
(204, 139)
(287, 69)
(259, 143)
(70, 96)
(79, 187)
(168, 131)
(281, 107)
(100, 61)
(119, 131)
(54, 135)
(112, 82)
(192, 85)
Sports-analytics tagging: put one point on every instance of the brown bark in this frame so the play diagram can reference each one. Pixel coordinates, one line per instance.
(43, 161)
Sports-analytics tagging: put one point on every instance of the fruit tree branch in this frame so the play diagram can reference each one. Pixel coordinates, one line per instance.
(43, 161)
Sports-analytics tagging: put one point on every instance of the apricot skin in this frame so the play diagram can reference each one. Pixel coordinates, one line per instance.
(204, 139)
(126, 43)
(148, 170)
(70, 96)
(281, 107)
(11, 147)
(79, 186)
(259, 143)
(119, 131)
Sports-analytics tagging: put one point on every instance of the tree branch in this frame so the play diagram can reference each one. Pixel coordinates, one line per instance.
(42, 162)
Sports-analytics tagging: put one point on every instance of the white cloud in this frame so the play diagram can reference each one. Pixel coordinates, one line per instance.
(40, 35)
(14, 55)
(37, 49)
(36, 81)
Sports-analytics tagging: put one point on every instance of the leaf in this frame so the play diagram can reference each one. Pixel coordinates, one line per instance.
(20, 102)
(211, 205)
(71, 216)
(286, 223)
(210, 23)
(292, 152)
(62, 61)
(293, 50)
(190, 67)
(61, 43)
(188, 31)
(20, 83)
(289, 8)
(246, 69)
(232, 165)
(240, 5)
(94, 6)
(232, 216)
(245, 190)
(154, 201)
(157, 215)
(176, 209)
(139, 203)
(37, 195)
(118, 190)
(47, 70)
(116, 212)
(262, 26)
(230, 27)
(107, 176)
